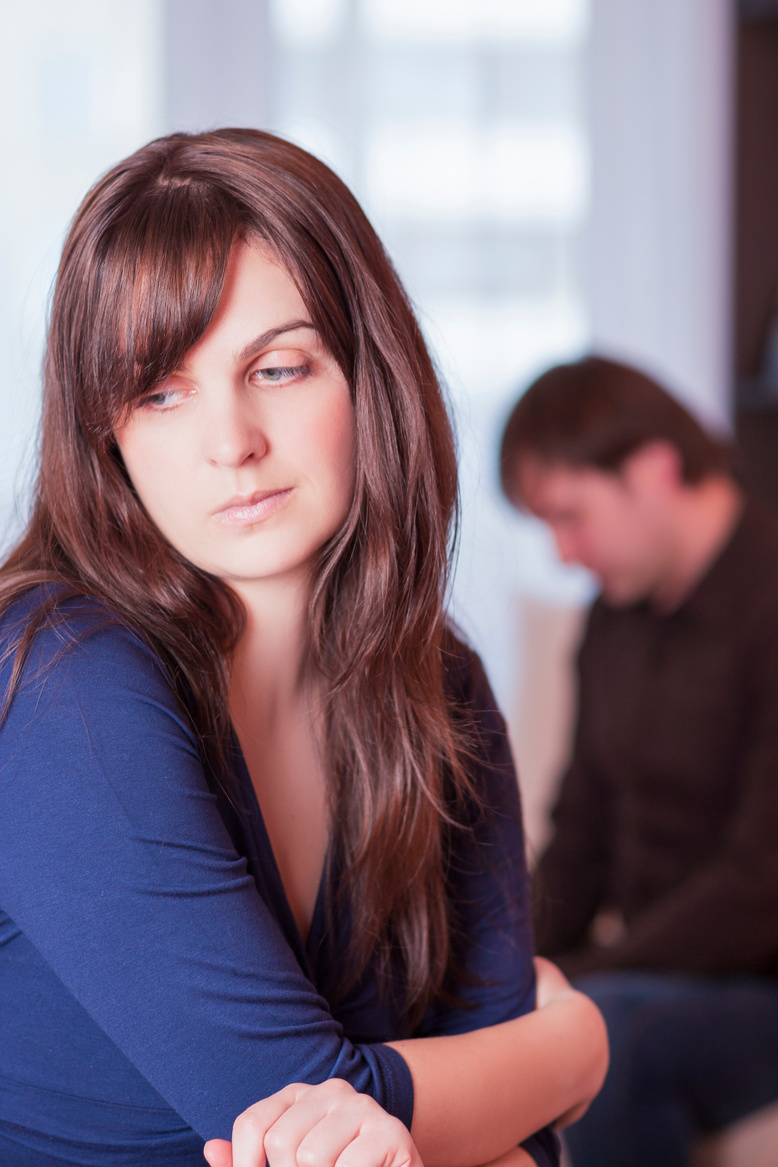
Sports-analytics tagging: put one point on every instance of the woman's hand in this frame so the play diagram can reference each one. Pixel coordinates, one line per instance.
(315, 1126)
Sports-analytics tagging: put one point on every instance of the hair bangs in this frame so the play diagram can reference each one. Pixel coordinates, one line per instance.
(159, 283)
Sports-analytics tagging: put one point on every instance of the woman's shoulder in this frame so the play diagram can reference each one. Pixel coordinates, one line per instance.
(486, 749)
(467, 685)
(59, 629)
(73, 670)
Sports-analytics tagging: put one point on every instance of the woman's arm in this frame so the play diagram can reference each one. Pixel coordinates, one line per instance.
(457, 1121)
(478, 1094)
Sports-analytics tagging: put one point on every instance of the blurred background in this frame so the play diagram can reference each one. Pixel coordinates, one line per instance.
(549, 176)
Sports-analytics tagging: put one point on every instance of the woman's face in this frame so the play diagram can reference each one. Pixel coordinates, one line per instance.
(244, 457)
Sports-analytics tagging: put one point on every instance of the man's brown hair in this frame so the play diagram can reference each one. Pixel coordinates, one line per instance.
(595, 413)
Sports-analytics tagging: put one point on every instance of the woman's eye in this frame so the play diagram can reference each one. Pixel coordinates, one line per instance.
(163, 399)
(280, 374)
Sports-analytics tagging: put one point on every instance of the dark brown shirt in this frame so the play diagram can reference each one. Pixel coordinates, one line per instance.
(669, 811)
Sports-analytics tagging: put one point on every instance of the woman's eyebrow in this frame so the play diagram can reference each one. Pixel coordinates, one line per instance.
(259, 342)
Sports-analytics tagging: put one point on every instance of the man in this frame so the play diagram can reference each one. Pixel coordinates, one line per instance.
(659, 890)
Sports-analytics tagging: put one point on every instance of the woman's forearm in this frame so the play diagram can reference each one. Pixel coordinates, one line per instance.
(516, 1157)
(477, 1095)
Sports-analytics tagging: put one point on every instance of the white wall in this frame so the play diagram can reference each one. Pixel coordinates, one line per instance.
(216, 70)
(658, 247)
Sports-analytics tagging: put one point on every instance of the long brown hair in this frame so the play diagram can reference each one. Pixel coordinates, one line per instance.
(141, 274)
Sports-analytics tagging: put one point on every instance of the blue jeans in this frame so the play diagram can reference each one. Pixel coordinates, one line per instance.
(688, 1055)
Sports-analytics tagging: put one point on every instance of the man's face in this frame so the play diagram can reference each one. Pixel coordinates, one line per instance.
(614, 524)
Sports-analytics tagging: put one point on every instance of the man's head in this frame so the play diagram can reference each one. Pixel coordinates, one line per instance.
(610, 461)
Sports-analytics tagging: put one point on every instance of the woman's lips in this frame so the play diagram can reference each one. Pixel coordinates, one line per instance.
(253, 509)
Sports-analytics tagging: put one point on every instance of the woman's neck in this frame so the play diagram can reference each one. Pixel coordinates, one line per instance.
(269, 664)
(272, 703)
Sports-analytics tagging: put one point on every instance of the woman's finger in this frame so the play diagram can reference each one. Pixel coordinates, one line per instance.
(316, 1126)
(218, 1153)
(275, 1127)
(323, 1143)
(381, 1147)
(250, 1128)
(304, 1121)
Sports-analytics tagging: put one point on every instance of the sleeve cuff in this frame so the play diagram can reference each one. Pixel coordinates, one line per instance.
(394, 1080)
(543, 1147)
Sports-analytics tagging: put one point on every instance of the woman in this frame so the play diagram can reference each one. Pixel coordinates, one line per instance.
(259, 824)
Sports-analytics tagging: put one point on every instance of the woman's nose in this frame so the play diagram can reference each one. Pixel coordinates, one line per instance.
(232, 434)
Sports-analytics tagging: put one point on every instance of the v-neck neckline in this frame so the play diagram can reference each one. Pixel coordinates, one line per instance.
(308, 946)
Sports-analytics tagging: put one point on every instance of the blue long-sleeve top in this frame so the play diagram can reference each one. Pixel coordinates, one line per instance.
(153, 982)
